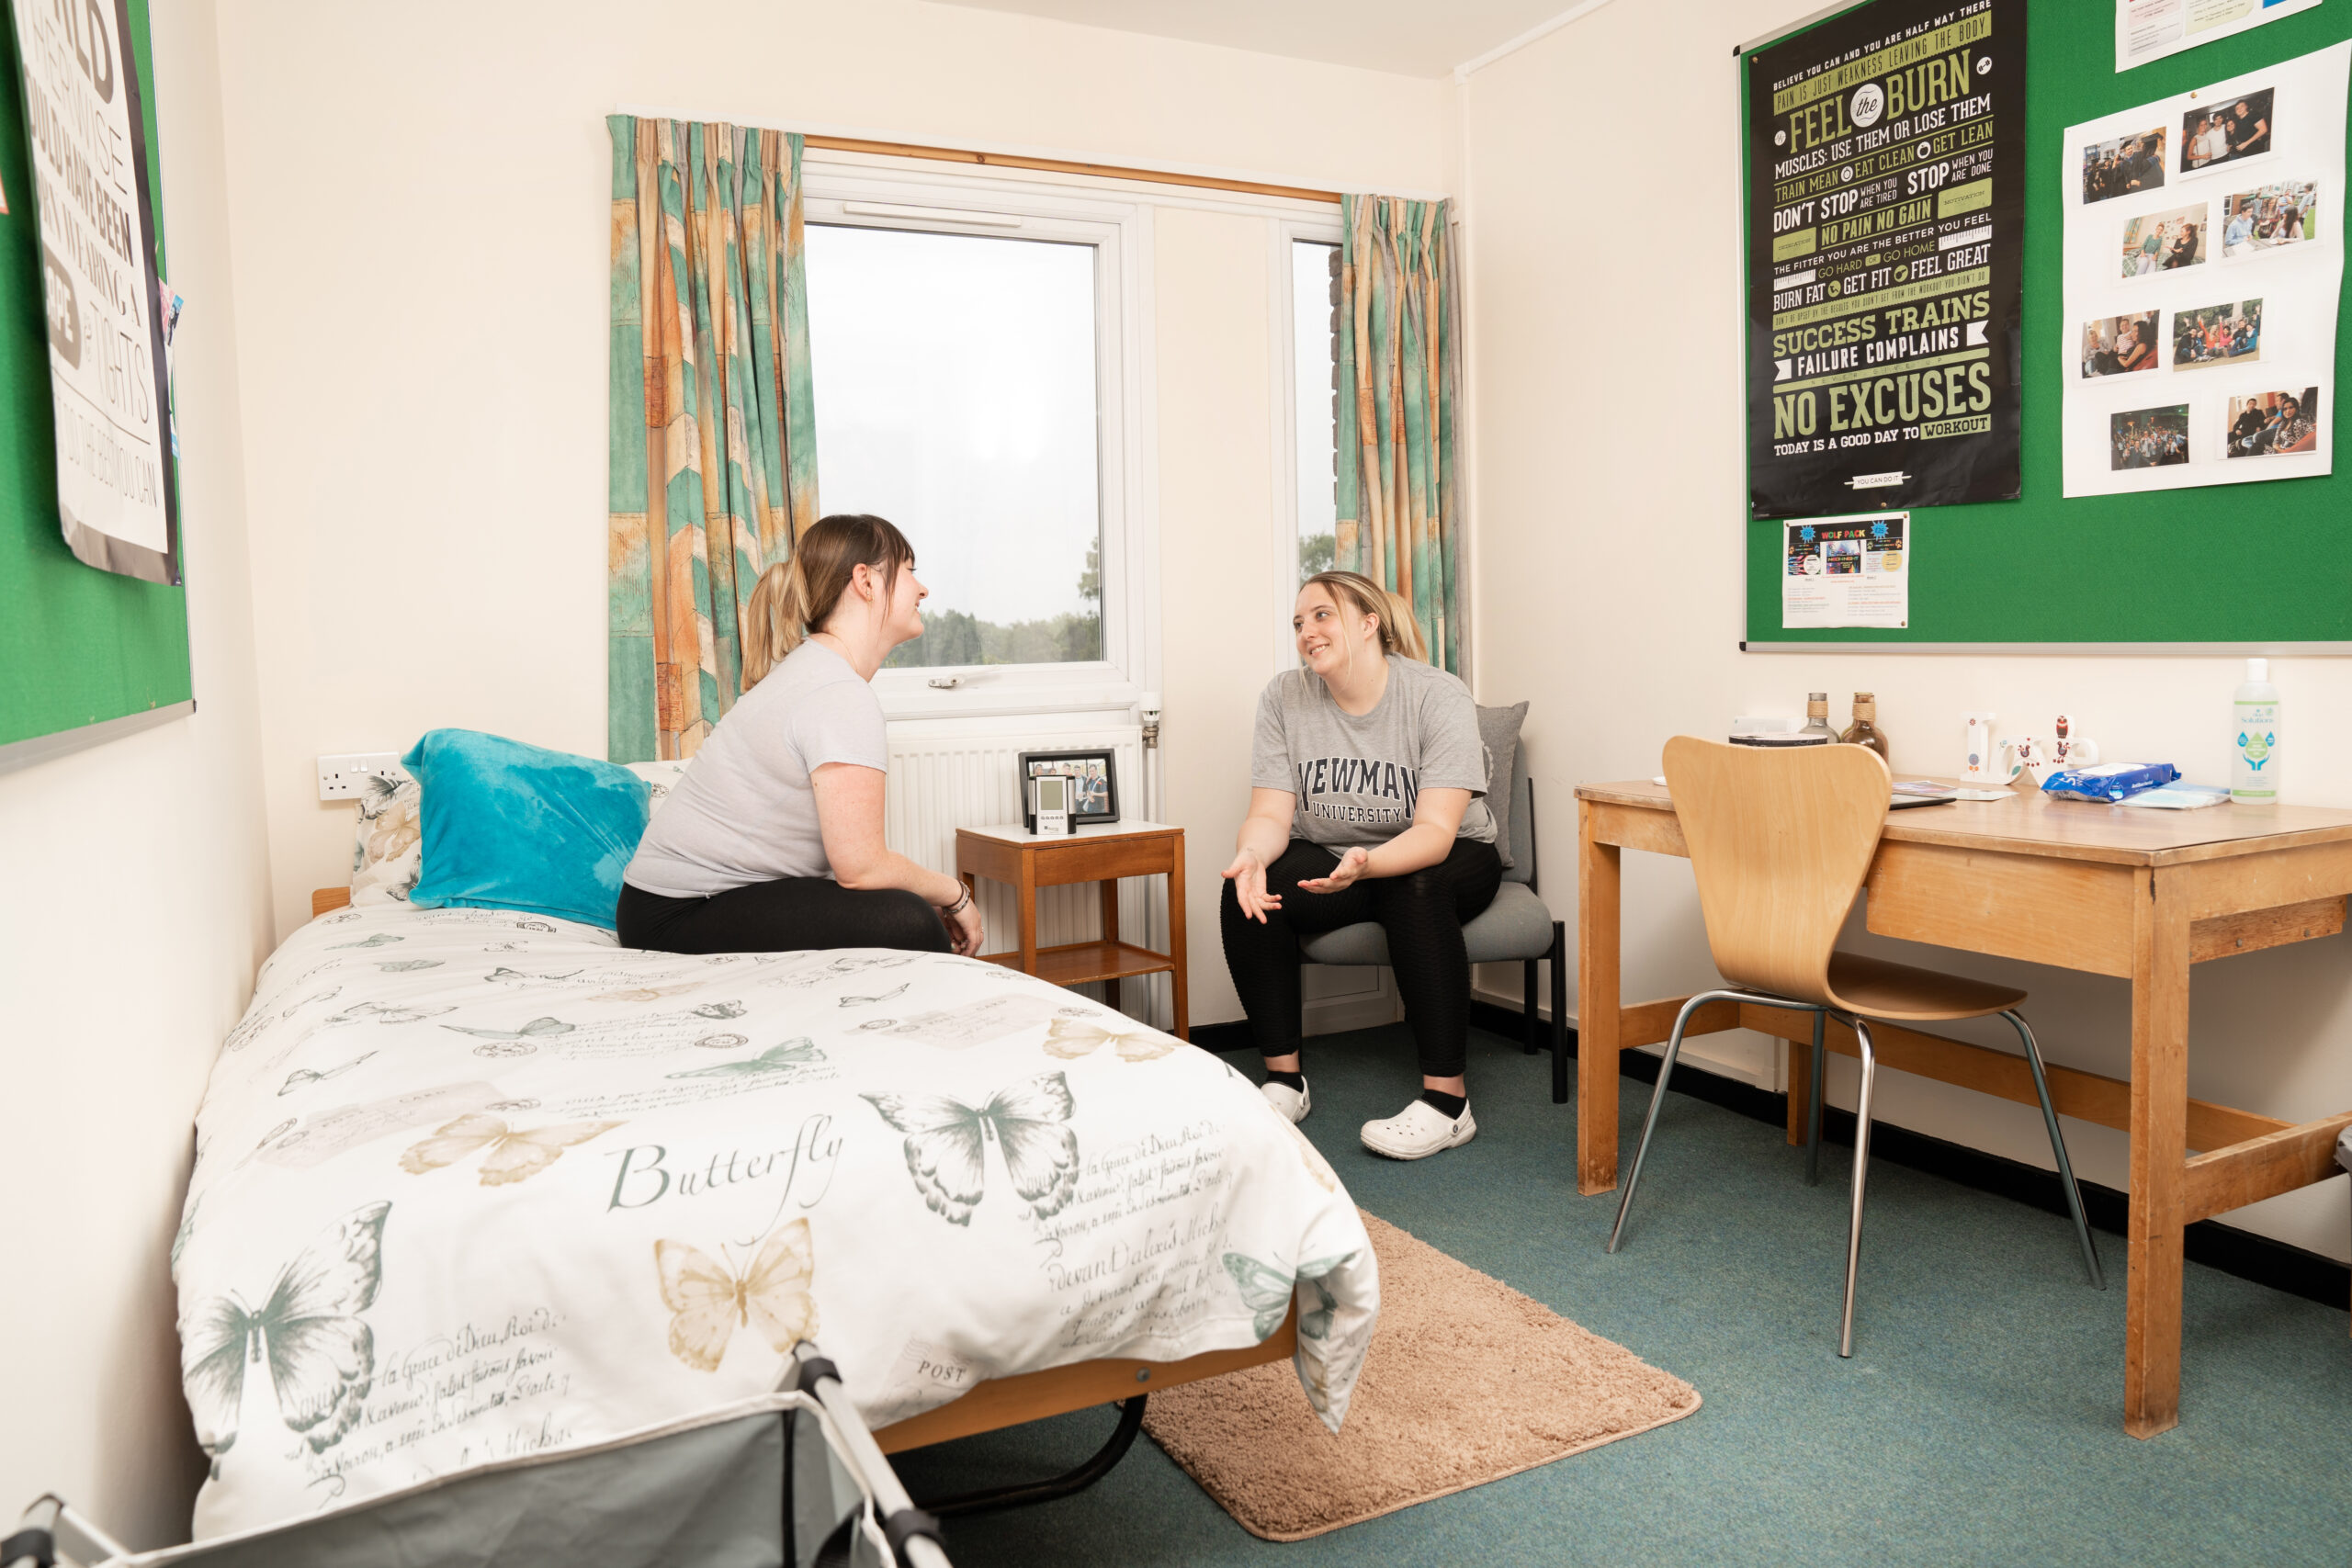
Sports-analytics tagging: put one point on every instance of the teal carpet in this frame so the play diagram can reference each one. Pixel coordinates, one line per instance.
(1979, 1422)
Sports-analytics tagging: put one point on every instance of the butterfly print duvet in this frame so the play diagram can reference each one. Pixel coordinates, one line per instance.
(473, 1185)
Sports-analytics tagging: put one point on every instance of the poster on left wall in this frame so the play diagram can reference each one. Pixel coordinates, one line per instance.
(1884, 226)
(117, 500)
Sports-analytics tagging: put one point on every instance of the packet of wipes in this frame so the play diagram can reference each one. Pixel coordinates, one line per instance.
(2108, 782)
(2180, 797)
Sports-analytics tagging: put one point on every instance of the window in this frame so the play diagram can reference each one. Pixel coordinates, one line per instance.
(976, 347)
(956, 387)
(1314, 386)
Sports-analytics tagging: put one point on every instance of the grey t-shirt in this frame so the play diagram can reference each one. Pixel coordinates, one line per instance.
(745, 811)
(1357, 777)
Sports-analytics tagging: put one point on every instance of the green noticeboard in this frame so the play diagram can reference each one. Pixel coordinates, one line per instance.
(2239, 567)
(83, 654)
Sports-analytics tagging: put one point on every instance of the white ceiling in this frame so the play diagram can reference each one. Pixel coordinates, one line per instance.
(1410, 38)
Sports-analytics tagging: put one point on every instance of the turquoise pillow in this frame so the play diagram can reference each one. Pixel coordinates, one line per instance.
(515, 827)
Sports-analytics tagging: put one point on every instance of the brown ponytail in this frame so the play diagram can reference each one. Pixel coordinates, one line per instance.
(1399, 632)
(796, 597)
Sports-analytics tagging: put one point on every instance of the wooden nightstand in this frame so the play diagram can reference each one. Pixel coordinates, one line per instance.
(1022, 860)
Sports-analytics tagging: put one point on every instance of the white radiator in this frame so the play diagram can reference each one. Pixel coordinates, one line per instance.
(964, 773)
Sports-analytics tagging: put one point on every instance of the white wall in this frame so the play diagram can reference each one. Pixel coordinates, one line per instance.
(1213, 332)
(138, 911)
(419, 196)
(1605, 352)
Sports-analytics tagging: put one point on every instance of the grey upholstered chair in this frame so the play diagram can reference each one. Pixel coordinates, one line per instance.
(1516, 926)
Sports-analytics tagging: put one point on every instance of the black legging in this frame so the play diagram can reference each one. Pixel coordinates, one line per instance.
(789, 916)
(1422, 911)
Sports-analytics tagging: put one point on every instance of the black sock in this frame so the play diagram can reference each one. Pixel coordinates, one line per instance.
(1288, 1080)
(1451, 1104)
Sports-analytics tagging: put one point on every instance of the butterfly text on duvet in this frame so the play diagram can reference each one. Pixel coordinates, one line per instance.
(648, 1173)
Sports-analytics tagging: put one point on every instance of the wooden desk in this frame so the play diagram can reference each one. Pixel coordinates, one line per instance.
(2140, 895)
(1013, 855)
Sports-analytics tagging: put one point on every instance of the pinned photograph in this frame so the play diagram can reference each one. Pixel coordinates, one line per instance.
(2271, 424)
(2271, 216)
(2217, 335)
(2228, 132)
(2125, 166)
(2116, 345)
(2149, 438)
(2163, 242)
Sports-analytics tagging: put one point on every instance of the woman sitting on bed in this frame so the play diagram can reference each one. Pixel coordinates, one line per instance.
(1366, 803)
(772, 841)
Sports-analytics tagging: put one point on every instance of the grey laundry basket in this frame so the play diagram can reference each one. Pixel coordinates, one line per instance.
(789, 1480)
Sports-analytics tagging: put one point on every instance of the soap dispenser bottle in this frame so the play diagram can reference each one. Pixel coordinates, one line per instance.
(2254, 737)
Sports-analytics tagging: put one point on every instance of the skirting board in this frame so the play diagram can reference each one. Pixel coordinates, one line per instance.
(2232, 1251)
(37, 748)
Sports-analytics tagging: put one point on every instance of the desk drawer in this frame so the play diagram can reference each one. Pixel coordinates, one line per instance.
(2073, 914)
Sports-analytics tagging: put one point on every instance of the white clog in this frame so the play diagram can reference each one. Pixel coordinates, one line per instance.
(1294, 1103)
(1420, 1131)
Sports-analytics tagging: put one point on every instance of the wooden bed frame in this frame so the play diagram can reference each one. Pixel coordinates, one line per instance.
(1032, 1396)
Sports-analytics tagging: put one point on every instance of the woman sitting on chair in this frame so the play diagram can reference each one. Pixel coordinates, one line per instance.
(1367, 802)
(772, 841)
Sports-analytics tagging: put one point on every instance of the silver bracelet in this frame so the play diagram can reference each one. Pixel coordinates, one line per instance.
(958, 907)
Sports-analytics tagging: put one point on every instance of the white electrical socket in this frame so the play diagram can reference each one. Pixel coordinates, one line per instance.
(345, 776)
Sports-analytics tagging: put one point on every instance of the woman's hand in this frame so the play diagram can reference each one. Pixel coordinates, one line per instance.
(1248, 874)
(1344, 875)
(964, 929)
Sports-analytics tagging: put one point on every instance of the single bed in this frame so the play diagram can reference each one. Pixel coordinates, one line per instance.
(473, 1183)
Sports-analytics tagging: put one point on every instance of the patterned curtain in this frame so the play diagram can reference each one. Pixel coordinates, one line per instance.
(713, 427)
(1400, 380)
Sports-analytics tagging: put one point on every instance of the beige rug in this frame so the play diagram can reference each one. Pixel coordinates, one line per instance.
(1467, 1382)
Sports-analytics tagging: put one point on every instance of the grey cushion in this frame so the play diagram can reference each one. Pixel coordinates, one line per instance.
(1516, 925)
(2344, 1149)
(1498, 731)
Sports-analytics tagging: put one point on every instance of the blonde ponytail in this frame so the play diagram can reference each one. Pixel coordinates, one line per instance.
(1399, 632)
(796, 597)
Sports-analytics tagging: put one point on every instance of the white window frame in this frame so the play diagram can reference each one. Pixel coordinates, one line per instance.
(1282, 233)
(850, 190)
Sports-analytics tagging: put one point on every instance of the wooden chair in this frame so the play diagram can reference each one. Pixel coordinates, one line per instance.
(1780, 842)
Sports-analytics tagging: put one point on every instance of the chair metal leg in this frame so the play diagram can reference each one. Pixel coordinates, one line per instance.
(2058, 1148)
(1657, 1100)
(1812, 1111)
(1559, 1012)
(1861, 1171)
(1530, 1026)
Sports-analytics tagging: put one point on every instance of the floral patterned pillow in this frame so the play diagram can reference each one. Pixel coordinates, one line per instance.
(388, 851)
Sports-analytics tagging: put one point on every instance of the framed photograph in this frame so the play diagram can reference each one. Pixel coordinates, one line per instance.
(1095, 785)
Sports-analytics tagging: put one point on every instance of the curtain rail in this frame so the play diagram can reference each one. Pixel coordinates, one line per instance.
(1065, 166)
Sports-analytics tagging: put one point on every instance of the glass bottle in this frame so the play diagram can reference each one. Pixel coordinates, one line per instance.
(1816, 718)
(1865, 730)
